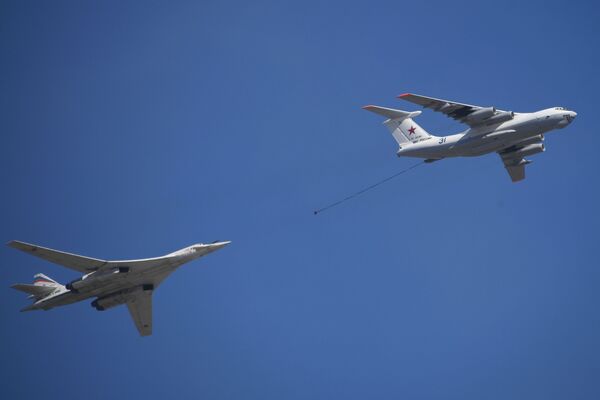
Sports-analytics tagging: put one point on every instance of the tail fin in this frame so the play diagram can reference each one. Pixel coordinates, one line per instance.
(401, 125)
(41, 287)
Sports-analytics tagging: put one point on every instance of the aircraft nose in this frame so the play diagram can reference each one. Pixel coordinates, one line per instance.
(218, 245)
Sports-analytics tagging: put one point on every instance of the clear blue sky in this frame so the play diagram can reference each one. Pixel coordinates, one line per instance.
(131, 129)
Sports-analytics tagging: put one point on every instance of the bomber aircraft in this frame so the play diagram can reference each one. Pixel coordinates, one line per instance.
(130, 282)
(512, 135)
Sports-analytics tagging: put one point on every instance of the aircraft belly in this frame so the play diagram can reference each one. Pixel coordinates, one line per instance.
(63, 299)
(473, 150)
(152, 276)
(428, 152)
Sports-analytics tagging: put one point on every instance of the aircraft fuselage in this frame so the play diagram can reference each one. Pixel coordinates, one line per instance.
(485, 139)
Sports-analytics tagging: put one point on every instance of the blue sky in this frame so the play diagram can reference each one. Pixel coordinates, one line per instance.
(133, 129)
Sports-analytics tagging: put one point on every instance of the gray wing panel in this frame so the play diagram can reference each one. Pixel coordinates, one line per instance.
(78, 263)
(515, 167)
(140, 308)
(517, 172)
(452, 109)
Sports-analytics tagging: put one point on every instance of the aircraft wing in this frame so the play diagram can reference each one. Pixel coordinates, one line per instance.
(172, 259)
(516, 172)
(87, 264)
(78, 263)
(140, 308)
(81, 263)
(515, 167)
(452, 109)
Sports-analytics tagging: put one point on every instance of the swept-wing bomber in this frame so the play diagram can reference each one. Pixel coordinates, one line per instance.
(112, 283)
(512, 135)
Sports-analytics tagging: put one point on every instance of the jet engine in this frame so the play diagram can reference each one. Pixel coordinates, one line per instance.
(500, 117)
(122, 297)
(75, 285)
(528, 150)
(111, 301)
(534, 139)
(93, 280)
(481, 114)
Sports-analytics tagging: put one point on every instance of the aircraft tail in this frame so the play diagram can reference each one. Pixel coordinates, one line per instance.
(42, 286)
(401, 124)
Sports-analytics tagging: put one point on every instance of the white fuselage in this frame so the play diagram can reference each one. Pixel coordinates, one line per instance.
(485, 139)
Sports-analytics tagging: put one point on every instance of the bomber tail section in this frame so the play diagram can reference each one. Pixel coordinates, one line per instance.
(41, 287)
(401, 124)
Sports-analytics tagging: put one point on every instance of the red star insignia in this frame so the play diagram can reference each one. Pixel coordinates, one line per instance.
(411, 130)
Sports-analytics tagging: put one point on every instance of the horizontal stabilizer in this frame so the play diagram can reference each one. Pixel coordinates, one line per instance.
(392, 113)
(34, 290)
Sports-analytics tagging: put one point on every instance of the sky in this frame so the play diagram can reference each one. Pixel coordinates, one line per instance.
(132, 129)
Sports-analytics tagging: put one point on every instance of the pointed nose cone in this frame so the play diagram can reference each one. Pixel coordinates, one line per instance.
(200, 250)
(218, 245)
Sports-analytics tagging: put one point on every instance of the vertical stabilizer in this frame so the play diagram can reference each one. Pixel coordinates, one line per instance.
(401, 124)
(43, 280)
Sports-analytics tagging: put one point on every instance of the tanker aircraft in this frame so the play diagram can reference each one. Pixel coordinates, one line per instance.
(512, 135)
(112, 283)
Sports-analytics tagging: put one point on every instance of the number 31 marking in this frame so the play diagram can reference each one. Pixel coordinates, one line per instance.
(442, 140)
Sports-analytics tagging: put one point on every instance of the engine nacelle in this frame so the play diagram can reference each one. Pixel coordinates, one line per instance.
(529, 150)
(534, 139)
(113, 300)
(77, 284)
(481, 114)
(500, 117)
(95, 279)
(122, 297)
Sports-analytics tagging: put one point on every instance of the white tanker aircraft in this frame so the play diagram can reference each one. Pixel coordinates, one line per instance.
(512, 135)
(130, 282)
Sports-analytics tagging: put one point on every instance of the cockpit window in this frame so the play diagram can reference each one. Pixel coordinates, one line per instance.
(560, 108)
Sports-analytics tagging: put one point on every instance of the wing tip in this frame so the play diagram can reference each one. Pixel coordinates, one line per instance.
(404, 95)
(23, 246)
(17, 244)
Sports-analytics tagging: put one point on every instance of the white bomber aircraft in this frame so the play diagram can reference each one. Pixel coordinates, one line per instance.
(130, 282)
(513, 136)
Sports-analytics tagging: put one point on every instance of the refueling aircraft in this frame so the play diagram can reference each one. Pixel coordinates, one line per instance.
(514, 136)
